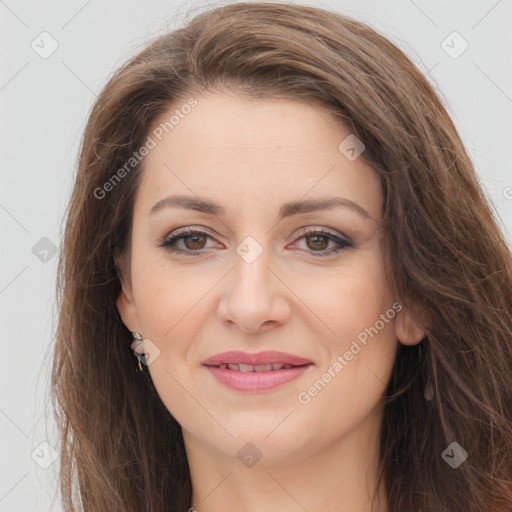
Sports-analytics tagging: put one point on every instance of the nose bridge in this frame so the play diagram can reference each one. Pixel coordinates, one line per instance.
(251, 298)
(251, 272)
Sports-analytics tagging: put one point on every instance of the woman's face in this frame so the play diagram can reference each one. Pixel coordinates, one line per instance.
(255, 278)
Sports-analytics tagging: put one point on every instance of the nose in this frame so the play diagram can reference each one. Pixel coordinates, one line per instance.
(254, 297)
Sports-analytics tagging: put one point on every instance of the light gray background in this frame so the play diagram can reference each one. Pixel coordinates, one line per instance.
(43, 107)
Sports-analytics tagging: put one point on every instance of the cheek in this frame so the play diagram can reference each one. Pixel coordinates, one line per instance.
(350, 298)
(169, 305)
(358, 359)
(356, 304)
(174, 305)
(165, 300)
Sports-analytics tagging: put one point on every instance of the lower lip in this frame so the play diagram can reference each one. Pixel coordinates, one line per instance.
(256, 381)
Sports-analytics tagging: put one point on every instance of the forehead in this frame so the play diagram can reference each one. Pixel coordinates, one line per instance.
(253, 153)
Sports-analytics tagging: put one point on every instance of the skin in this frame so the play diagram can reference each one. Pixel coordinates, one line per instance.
(251, 157)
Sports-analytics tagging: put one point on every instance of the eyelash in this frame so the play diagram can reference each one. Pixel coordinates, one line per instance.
(167, 243)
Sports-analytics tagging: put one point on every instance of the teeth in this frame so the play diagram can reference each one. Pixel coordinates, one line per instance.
(255, 367)
(263, 367)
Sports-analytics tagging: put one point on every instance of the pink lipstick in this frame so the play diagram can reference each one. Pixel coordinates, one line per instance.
(256, 372)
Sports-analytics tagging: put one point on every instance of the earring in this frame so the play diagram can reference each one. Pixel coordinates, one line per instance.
(137, 336)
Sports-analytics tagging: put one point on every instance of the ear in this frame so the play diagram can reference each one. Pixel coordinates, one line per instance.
(125, 302)
(407, 330)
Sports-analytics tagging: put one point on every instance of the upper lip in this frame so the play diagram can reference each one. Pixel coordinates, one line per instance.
(266, 357)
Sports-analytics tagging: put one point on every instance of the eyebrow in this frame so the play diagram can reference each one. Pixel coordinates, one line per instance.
(287, 210)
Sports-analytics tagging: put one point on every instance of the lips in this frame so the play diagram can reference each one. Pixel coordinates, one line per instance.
(259, 372)
(255, 362)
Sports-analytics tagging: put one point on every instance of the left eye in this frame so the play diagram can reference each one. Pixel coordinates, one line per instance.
(195, 241)
(320, 240)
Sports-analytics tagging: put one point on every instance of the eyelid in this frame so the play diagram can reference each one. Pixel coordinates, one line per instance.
(183, 232)
(308, 229)
(321, 230)
(343, 241)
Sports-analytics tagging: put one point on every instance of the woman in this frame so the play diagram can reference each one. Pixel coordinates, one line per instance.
(275, 214)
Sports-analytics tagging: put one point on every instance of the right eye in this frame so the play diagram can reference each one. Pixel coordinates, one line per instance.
(193, 241)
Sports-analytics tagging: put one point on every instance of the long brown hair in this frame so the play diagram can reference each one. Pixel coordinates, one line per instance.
(446, 259)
